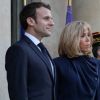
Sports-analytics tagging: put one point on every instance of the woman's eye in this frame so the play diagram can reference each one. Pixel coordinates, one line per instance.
(82, 35)
(89, 35)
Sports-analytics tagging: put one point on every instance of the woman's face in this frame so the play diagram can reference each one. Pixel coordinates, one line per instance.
(85, 41)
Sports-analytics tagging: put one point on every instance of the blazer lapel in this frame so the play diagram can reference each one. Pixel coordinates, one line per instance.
(38, 52)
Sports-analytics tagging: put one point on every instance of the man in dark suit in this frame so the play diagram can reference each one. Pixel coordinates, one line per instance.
(30, 74)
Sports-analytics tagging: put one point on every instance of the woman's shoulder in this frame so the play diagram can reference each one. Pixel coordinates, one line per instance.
(98, 63)
(61, 60)
(96, 60)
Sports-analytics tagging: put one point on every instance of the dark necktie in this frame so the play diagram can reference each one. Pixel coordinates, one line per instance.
(45, 53)
(43, 49)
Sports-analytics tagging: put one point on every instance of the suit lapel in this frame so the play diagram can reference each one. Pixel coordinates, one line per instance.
(38, 52)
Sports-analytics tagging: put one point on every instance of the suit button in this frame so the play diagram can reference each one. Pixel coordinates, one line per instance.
(96, 78)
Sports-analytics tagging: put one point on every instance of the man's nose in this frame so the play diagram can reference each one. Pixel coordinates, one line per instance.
(51, 22)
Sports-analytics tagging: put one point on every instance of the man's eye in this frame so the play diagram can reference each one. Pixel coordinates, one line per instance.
(46, 18)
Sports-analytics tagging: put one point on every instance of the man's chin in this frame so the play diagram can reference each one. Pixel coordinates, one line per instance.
(47, 35)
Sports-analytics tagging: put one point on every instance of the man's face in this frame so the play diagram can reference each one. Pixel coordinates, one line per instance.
(44, 22)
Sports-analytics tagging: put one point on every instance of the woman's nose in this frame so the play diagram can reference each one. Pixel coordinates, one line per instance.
(87, 38)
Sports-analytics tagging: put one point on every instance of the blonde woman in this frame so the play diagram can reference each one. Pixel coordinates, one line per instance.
(77, 69)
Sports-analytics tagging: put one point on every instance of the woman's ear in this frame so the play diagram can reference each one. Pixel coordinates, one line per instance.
(30, 21)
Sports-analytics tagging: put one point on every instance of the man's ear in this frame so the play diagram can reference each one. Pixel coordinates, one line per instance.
(30, 21)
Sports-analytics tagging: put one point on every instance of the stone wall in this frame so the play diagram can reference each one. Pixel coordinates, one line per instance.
(5, 38)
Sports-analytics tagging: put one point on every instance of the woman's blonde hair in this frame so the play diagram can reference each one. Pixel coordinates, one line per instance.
(70, 39)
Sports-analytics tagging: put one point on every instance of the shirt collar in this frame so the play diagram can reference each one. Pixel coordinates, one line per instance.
(32, 38)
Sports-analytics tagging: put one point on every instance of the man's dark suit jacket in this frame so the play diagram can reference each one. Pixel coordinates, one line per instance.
(28, 72)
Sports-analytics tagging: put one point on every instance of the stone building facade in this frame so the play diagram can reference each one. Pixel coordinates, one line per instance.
(87, 10)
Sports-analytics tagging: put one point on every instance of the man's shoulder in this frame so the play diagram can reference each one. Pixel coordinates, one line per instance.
(18, 45)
